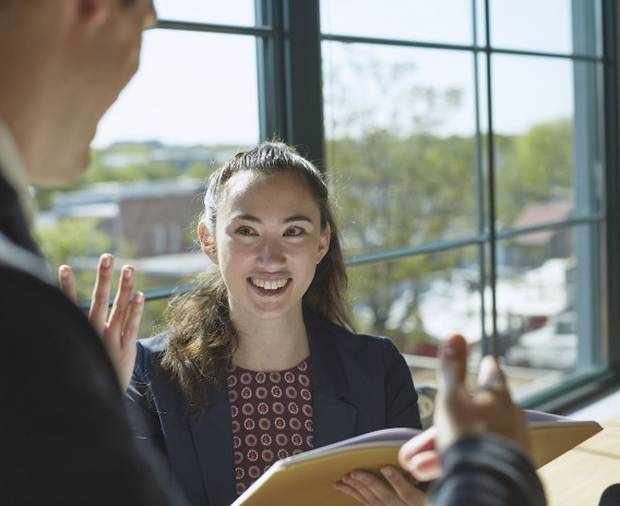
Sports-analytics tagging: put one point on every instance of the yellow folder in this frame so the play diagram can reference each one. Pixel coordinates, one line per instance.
(307, 479)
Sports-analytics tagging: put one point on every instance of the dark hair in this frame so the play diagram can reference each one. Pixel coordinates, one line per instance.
(202, 338)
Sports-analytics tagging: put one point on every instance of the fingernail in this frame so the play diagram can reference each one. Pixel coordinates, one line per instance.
(64, 271)
(128, 272)
(138, 298)
(386, 471)
(106, 261)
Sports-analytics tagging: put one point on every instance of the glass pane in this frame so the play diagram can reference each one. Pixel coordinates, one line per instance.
(443, 21)
(481, 34)
(416, 301)
(548, 139)
(400, 124)
(549, 26)
(231, 12)
(548, 306)
(153, 318)
(153, 152)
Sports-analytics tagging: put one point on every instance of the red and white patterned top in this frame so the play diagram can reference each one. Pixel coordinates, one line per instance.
(271, 418)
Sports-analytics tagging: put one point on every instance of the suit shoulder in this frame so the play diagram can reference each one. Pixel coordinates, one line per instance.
(155, 345)
(349, 339)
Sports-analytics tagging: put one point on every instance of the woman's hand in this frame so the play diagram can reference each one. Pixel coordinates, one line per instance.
(118, 327)
(370, 490)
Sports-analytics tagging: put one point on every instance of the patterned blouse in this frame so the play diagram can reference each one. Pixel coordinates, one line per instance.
(271, 414)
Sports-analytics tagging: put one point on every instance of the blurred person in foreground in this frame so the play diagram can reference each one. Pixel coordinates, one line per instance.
(64, 434)
(477, 452)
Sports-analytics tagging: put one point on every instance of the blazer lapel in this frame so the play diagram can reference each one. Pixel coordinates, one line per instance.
(212, 436)
(334, 417)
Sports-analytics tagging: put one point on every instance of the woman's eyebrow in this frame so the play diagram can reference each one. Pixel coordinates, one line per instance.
(297, 217)
(256, 219)
(247, 217)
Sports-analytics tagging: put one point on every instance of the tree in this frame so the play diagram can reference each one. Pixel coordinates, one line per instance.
(398, 184)
(534, 167)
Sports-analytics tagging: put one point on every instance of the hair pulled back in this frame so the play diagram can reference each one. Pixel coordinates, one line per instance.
(202, 338)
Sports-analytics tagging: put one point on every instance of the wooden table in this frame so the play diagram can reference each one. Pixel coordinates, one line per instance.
(579, 477)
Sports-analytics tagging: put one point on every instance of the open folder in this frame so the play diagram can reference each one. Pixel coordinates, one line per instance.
(307, 479)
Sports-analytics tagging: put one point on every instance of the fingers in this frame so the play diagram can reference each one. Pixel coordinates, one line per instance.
(101, 293)
(422, 442)
(372, 490)
(132, 326)
(66, 281)
(407, 492)
(453, 368)
(349, 490)
(490, 376)
(120, 308)
(424, 466)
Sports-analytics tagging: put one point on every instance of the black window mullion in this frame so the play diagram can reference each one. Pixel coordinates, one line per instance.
(270, 69)
(301, 40)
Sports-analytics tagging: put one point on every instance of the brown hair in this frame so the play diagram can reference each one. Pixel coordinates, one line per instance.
(202, 338)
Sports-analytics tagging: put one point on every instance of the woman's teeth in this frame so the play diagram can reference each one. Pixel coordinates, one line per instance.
(269, 285)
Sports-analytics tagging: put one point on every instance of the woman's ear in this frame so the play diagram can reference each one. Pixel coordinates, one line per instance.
(324, 241)
(207, 242)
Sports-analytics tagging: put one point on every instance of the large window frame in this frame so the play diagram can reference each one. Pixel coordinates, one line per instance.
(289, 39)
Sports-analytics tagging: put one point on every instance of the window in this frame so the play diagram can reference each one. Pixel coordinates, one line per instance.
(464, 140)
(427, 126)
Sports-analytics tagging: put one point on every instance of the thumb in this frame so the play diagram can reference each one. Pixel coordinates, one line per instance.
(491, 376)
(453, 366)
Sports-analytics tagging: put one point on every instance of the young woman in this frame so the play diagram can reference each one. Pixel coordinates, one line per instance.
(259, 362)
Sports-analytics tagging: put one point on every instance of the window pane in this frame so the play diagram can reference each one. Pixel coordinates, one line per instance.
(443, 21)
(186, 111)
(550, 26)
(416, 301)
(399, 126)
(548, 305)
(231, 12)
(548, 139)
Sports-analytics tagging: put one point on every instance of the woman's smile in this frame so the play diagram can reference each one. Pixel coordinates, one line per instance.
(269, 287)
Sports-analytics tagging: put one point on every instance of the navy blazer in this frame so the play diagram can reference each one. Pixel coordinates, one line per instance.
(360, 384)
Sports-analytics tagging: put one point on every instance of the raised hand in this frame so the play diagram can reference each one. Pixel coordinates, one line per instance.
(394, 489)
(119, 326)
(459, 413)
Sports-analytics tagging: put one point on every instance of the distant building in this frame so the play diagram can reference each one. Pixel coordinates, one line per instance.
(533, 249)
(147, 218)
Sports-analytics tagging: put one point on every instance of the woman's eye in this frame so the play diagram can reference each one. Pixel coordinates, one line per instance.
(245, 231)
(294, 232)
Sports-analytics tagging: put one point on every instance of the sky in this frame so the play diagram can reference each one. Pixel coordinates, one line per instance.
(197, 88)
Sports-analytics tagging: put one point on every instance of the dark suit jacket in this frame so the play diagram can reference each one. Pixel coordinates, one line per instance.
(486, 470)
(360, 384)
(64, 434)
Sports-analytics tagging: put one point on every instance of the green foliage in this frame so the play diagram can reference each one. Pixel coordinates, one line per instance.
(534, 167)
(72, 238)
(69, 239)
(199, 170)
(396, 192)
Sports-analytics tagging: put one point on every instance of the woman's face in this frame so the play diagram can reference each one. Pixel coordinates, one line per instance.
(268, 242)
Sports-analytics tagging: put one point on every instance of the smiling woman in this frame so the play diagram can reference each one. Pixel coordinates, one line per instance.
(259, 363)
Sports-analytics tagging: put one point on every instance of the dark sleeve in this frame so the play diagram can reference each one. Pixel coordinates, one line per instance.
(400, 396)
(486, 471)
(64, 432)
(139, 400)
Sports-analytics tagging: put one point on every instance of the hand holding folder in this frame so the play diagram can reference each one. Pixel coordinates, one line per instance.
(309, 477)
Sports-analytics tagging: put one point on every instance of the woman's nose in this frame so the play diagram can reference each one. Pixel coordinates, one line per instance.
(272, 252)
